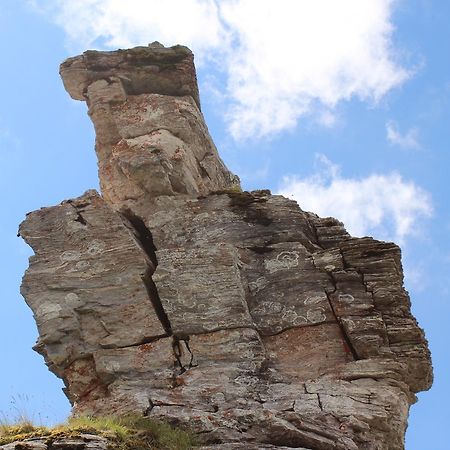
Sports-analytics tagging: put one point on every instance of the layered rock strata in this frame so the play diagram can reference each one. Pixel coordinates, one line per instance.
(177, 295)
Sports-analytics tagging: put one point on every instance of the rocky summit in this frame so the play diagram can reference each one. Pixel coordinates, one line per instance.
(175, 295)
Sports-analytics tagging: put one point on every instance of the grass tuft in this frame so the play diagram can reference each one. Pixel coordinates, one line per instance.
(130, 432)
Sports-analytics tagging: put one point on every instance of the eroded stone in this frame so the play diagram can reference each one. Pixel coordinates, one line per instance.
(179, 297)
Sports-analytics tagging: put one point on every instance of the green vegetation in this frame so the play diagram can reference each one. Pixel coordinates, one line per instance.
(130, 432)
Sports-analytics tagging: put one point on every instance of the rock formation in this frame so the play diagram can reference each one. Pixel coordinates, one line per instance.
(176, 295)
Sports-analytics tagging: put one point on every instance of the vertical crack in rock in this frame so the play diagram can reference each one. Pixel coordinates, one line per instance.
(319, 401)
(149, 409)
(145, 240)
(178, 351)
(346, 337)
(80, 219)
(142, 234)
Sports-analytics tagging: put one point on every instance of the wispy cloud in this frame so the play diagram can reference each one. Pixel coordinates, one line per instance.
(407, 140)
(284, 60)
(385, 206)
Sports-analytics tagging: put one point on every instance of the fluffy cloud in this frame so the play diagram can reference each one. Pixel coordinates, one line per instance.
(283, 59)
(408, 140)
(385, 206)
(118, 23)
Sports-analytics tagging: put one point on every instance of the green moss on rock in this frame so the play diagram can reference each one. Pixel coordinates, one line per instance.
(130, 432)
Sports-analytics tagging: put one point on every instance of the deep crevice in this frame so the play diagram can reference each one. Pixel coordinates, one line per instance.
(319, 401)
(156, 301)
(145, 239)
(143, 341)
(178, 353)
(79, 217)
(142, 234)
(149, 408)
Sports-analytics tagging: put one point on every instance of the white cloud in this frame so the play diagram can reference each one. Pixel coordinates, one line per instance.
(385, 206)
(283, 59)
(408, 140)
(118, 23)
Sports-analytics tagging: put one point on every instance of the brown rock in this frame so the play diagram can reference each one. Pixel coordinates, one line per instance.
(151, 136)
(180, 297)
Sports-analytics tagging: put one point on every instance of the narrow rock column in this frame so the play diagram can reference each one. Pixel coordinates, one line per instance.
(151, 138)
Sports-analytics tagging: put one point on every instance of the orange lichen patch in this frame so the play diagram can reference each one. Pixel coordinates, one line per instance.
(179, 381)
(82, 379)
(307, 352)
(179, 154)
(121, 146)
(145, 348)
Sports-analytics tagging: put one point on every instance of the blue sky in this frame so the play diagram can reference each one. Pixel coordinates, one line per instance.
(345, 109)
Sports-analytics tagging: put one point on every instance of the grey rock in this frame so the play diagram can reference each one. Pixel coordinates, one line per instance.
(257, 324)
(81, 442)
(151, 138)
(88, 287)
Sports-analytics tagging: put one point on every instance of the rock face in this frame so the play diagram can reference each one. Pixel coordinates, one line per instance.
(81, 442)
(177, 295)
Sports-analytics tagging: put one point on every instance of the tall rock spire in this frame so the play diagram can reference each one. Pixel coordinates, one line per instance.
(151, 138)
(180, 297)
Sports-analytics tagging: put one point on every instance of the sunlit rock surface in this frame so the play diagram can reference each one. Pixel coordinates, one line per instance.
(178, 296)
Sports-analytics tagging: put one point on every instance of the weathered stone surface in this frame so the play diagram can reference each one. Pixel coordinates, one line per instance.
(258, 324)
(87, 279)
(151, 138)
(141, 70)
(81, 442)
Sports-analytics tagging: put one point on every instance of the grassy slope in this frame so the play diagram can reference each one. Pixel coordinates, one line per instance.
(124, 433)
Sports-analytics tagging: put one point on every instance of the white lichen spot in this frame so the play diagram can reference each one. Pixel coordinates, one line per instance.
(70, 255)
(82, 265)
(268, 308)
(112, 366)
(284, 260)
(313, 300)
(349, 324)
(256, 286)
(316, 315)
(346, 298)
(299, 320)
(71, 297)
(289, 315)
(210, 326)
(95, 247)
(246, 380)
(48, 310)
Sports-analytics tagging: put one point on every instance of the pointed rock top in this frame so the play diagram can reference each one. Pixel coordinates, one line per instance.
(156, 44)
